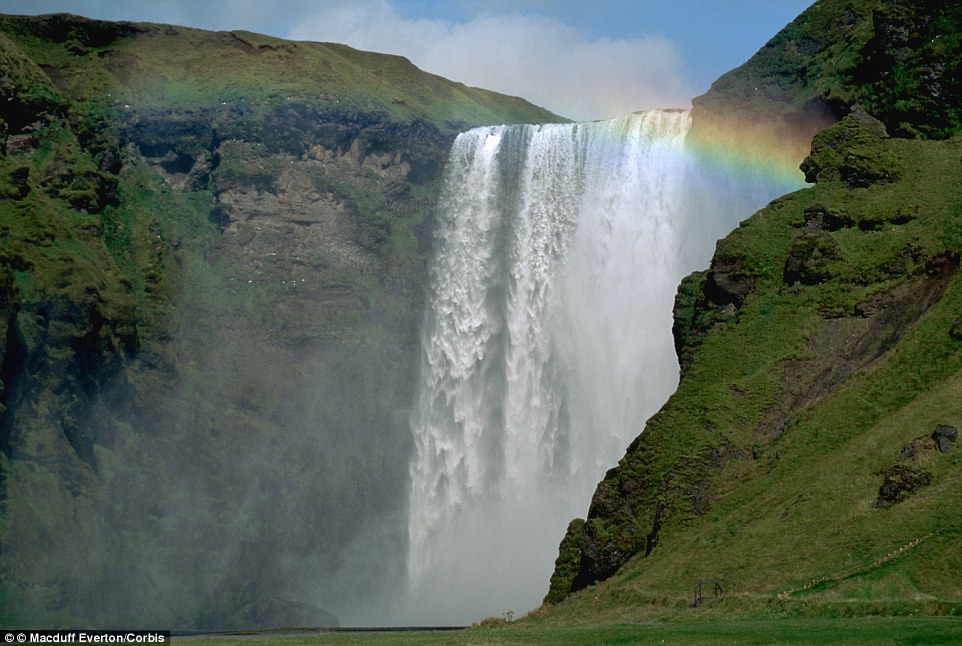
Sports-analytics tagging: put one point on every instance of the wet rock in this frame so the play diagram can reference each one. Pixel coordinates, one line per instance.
(945, 437)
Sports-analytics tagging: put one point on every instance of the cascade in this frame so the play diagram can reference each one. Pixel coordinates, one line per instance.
(546, 343)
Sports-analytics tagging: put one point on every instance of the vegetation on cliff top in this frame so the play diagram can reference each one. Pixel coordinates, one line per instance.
(143, 67)
(899, 60)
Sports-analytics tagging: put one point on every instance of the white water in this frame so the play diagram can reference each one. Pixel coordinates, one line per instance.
(546, 346)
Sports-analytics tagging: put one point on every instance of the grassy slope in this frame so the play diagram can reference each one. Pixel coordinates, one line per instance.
(768, 460)
(167, 67)
(763, 470)
(900, 60)
(875, 630)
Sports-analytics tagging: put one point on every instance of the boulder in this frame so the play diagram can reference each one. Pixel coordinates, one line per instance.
(914, 448)
(851, 151)
(945, 437)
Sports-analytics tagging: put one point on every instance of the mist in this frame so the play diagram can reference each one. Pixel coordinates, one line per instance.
(251, 484)
(547, 340)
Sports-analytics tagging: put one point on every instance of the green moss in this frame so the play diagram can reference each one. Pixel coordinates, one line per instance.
(568, 562)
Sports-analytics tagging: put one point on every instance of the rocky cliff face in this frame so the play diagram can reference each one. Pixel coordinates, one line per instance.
(810, 343)
(211, 267)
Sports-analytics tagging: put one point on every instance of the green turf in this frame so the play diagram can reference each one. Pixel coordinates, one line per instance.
(869, 630)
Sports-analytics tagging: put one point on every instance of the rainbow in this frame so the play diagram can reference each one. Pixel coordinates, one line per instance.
(729, 153)
(754, 149)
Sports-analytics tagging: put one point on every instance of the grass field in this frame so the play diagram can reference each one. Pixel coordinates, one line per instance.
(863, 630)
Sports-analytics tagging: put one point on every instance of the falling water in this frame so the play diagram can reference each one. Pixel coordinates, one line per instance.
(546, 345)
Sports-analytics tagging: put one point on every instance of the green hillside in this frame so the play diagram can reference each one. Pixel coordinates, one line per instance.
(808, 461)
(139, 66)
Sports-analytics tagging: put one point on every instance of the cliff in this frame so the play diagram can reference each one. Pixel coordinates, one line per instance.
(808, 459)
(212, 262)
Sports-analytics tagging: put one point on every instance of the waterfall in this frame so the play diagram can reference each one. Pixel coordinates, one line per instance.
(546, 343)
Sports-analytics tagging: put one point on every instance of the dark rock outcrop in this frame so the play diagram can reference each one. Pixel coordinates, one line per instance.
(691, 319)
(729, 281)
(810, 259)
(707, 298)
(899, 483)
(945, 437)
(908, 477)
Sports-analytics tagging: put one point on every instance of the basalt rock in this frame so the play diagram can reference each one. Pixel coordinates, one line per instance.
(728, 282)
(917, 447)
(945, 437)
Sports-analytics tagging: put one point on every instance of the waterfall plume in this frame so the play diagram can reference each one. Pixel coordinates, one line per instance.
(547, 340)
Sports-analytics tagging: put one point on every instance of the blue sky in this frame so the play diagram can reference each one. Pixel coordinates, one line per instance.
(584, 59)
